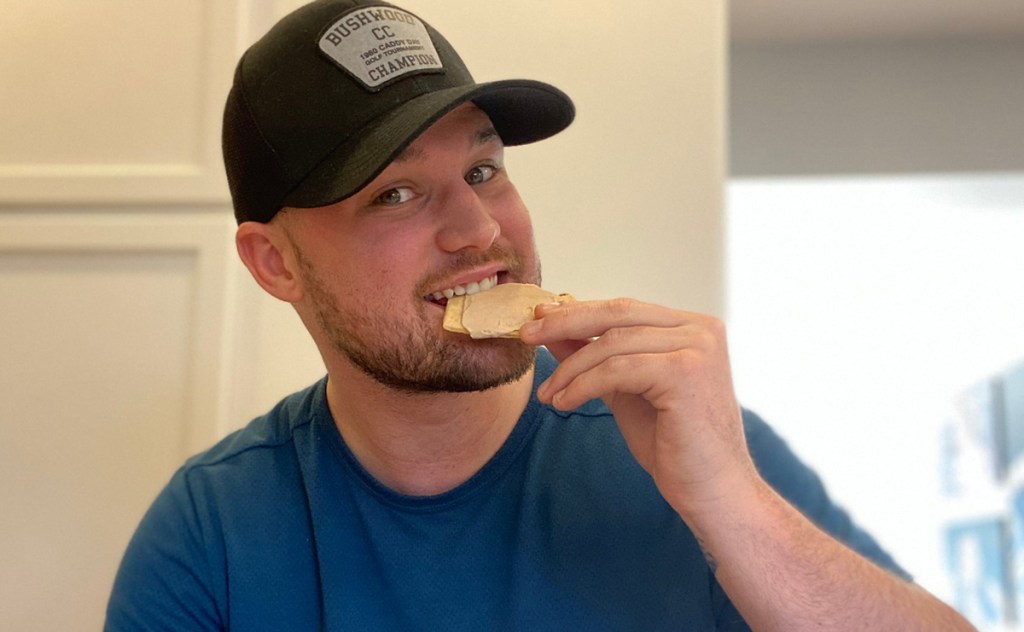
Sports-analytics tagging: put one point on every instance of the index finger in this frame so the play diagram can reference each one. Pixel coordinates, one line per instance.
(583, 320)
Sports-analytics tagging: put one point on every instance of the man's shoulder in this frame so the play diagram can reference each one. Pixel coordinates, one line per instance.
(275, 429)
(250, 476)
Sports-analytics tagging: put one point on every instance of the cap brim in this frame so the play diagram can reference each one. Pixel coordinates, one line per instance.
(522, 111)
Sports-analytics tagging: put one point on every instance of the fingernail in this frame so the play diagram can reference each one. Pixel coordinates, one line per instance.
(542, 391)
(556, 401)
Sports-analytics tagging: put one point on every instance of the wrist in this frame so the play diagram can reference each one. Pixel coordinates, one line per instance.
(735, 493)
(721, 520)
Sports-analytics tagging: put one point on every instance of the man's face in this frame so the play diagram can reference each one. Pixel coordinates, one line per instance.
(376, 267)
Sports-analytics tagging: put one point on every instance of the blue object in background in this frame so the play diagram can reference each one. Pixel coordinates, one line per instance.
(975, 554)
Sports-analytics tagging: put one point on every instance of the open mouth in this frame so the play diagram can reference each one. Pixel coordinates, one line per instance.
(441, 297)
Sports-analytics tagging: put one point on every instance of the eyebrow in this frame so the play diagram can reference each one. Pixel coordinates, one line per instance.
(481, 137)
(486, 135)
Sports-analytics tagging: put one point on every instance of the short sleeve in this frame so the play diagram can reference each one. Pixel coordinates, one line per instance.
(164, 581)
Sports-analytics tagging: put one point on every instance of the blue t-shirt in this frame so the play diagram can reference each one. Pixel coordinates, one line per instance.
(278, 527)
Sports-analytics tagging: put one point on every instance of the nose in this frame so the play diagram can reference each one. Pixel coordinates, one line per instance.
(466, 222)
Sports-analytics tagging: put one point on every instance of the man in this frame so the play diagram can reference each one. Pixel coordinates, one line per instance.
(437, 482)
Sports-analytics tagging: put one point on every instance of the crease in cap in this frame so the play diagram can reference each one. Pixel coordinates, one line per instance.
(324, 101)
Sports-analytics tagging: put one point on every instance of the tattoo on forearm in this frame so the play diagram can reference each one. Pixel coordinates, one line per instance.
(708, 557)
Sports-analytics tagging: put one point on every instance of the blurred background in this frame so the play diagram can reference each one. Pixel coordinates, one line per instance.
(843, 183)
(875, 216)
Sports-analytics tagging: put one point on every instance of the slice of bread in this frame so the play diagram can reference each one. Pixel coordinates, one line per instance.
(498, 312)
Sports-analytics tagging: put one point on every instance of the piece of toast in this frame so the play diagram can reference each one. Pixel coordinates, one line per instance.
(498, 312)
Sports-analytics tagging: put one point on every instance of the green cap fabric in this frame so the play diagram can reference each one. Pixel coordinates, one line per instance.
(324, 101)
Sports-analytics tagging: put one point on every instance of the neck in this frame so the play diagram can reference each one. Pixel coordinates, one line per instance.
(423, 444)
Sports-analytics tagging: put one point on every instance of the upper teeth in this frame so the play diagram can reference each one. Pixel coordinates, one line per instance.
(469, 288)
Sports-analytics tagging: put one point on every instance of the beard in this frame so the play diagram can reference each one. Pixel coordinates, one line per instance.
(415, 356)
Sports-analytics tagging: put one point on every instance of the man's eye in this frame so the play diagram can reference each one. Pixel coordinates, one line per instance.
(395, 196)
(481, 173)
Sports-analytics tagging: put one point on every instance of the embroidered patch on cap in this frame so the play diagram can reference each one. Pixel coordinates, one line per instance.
(378, 45)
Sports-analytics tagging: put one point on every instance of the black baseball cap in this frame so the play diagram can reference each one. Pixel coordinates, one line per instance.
(324, 101)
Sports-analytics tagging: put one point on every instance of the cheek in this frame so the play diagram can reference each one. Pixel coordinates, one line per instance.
(393, 257)
(520, 235)
(350, 269)
(367, 264)
(519, 226)
(516, 225)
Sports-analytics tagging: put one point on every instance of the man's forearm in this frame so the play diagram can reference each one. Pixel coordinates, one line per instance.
(785, 574)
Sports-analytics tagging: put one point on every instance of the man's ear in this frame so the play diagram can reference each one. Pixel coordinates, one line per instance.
(266, 252)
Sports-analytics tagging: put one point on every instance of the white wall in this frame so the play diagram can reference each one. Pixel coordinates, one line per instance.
(114, 246)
